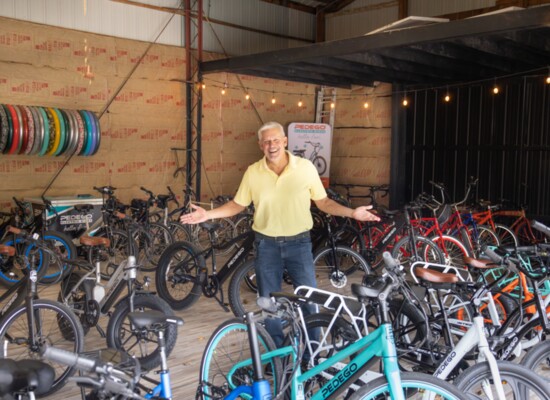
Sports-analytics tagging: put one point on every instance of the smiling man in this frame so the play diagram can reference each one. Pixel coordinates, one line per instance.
(281, 187)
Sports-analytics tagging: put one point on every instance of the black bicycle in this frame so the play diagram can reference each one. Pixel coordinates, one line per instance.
(26, 322)
(182, 276)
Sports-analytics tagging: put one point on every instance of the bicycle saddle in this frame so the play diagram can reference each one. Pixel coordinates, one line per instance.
(25, 375)
(144, 319)
(368, 292)
(210, 226)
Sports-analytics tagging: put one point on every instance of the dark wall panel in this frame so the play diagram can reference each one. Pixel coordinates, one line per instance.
(502, 139)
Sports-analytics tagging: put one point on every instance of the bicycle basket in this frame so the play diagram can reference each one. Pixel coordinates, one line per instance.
(444, 213)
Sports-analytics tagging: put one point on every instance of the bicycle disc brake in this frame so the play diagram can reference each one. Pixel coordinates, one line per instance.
(338, 279)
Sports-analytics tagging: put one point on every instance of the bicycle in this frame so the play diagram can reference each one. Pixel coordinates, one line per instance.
(112, 375)
(182, 276)
(335, 264)
(228, 369)
(372, 194)
(317, 160)
(24, 379)
(90, 299)
(26, 322)
(59, 242)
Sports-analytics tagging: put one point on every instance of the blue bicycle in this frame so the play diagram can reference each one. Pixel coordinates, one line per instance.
(240, 361)
(112, 375)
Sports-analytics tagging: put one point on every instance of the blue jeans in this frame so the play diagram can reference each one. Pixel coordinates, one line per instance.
(272, 259)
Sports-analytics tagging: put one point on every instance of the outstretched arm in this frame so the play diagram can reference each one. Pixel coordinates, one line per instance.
(331, 207)
(200, 214)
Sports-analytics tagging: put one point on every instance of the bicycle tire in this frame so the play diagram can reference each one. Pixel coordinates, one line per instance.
(506, 236)
(413, 384)
(519, 381)
(64, 247)
(161, 238)
(242, 289)
(453, 249)
(426, 250)
(180, 232)
(60, 328)
(227, 346)
(143, 345)
(537, 359)
(180, 275)
(11, 274)
(352, 268)
(320, 164)
(485, 237)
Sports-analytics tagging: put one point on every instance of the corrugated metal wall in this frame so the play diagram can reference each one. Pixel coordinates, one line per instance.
(132, 22)
(503, 139)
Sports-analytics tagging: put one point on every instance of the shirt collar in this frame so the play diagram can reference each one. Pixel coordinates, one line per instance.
(292, 160)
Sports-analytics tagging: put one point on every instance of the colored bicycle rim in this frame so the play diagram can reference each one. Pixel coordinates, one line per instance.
(62, 132)
(89, 132)
(81, 132)
(55, 129)
(98, 132)
(30, 130)
(16, 132)
(24, 122)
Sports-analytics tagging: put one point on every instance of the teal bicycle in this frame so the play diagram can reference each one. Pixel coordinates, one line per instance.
(240, 360)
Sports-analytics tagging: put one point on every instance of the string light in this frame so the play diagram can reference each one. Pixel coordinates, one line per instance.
(495, 89)
(273, 100)
(548, 79)
(224, 87)
(203, 86)
(366, 104)
(300, 103)
(247, 96)
(405, 101)
(332, 105)
(447, 98)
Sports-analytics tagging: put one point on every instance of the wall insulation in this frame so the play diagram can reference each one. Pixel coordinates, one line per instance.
(55, 67)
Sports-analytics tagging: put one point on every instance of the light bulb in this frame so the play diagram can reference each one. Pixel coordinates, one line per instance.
(300, 104)
(223, 91)
(495, 90)
(447, 98)
(203, 85)
(405, 102)
(548, 80)
(366, 104)
(247, 96)
(273, 101)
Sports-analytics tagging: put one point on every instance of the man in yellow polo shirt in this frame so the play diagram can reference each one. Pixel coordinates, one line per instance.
(281, 187)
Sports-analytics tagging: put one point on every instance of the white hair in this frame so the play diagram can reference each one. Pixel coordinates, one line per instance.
(270, 125)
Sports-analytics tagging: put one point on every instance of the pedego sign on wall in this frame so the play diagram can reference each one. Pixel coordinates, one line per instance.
(314, 142)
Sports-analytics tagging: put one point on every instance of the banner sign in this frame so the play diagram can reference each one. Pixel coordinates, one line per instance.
(314, 142)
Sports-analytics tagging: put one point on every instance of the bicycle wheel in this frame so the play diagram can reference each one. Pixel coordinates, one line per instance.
(111, 257)
(336, 269)
(453, 250)
(485, 237)
(229, 345)
(13, 269)
(64, 247)
(518, 381)
(55, 325)
(180, 274)
(161, 238)
(538, 359)
(506, 236)
(415, 386)
(140, 343)
(321, 164)
(180, 232)
(243, 292)
(424, 250)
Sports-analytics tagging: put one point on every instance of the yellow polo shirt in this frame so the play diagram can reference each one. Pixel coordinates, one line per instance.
(282, 203)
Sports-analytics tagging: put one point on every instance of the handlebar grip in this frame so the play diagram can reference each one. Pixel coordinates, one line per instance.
(389, 260)
(540, 227)
(71, 359)
(493, 256)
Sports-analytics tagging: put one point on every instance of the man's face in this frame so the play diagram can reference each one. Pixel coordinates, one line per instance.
(273, 144)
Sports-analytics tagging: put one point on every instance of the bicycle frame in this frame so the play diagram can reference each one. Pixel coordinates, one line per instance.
(378, 344)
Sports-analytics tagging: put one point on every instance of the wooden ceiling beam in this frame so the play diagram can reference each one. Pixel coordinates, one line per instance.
(293, 5)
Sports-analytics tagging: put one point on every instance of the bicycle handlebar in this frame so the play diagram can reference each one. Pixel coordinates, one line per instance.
(541, 227)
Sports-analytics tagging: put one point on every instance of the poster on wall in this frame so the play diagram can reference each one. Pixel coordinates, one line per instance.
(312, 141)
